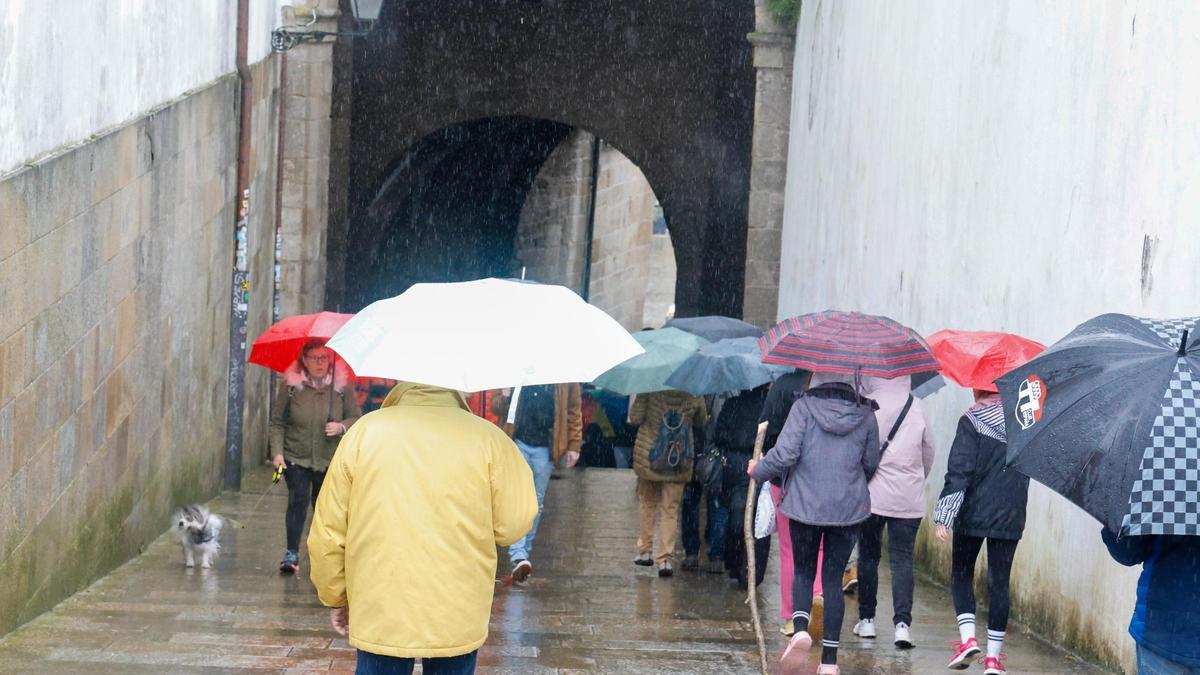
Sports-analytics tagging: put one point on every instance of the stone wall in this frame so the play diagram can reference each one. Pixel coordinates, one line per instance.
(264, 169)
(774, 49)
(305, 204)
(551, 238)
(1016, 166)
(115, 271)
(633, 269)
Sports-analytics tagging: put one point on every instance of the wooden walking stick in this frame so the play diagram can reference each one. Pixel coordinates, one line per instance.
(748, 531)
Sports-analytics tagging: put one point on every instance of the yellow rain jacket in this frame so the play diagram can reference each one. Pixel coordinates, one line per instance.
(418, 496)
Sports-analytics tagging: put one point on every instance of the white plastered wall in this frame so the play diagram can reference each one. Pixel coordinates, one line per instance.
(1018, 166)
(69, 70)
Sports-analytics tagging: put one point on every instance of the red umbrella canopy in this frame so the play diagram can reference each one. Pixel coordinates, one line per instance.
(847, 342)
(279, 346)
(975, 359)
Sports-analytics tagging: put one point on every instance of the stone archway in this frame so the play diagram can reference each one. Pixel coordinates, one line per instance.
(670, 84)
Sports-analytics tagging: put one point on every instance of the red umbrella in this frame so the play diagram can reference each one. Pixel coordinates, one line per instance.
(279, 346)
(847, 342)
(975, 359)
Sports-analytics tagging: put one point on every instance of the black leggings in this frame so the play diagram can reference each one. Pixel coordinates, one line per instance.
(1000, 554)
(806, 542)
(304, 485)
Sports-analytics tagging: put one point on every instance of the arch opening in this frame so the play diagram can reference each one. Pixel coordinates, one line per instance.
(502, 196)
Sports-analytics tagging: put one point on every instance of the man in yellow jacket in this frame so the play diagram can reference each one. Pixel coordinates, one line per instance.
(403, 544)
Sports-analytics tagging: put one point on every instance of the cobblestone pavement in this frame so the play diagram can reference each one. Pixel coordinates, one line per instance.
(587, 609)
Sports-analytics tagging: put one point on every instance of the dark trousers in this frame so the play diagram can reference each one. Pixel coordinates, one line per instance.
(303, 487)
(806, 543)
(689, 521)
(902, 533)
(375, 664)
(963, 554)
(736, 485)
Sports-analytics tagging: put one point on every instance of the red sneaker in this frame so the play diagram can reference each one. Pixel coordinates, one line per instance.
(963, 652)
(993, 666)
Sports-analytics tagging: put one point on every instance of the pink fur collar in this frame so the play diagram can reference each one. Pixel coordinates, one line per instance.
(296, 378)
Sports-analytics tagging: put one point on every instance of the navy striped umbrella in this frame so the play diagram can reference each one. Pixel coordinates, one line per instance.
(847, 342)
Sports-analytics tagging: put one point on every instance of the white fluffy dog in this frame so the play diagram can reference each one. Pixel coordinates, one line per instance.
(199, 534)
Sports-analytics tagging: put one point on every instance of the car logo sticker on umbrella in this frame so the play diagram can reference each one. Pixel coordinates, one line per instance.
(1030, 399)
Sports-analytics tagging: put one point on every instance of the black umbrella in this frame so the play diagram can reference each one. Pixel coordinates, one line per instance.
(714, 328)
(1109, 417)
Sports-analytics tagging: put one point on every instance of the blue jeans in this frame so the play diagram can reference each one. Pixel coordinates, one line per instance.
(375, 664)
(542, 466)
(623, 457)
(1152, 663)
(689, 522)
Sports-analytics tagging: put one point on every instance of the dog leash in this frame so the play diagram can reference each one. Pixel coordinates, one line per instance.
(274, 481)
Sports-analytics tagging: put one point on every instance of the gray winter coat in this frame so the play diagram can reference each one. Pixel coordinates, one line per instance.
(827, 452)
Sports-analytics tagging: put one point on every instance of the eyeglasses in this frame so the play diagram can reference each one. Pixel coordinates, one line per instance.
(319, 358)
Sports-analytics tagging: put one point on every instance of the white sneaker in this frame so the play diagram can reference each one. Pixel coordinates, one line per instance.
(903, 638)
(865, 629)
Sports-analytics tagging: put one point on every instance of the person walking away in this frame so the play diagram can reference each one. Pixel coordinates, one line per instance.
(403, 543)
(982, 501)
(663, 456)
(827, 452)
(697, 492)
(1164, 618)
(897, 504)
(548, 427)
(783, 393)
(314, 407)
(734, 434)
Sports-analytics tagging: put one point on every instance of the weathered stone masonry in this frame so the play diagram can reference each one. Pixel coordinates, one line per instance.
(115, 262)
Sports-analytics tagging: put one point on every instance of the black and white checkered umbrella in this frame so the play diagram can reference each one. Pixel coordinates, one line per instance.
(1109, 417)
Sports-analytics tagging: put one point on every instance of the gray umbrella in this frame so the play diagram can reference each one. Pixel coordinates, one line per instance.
(729, 365)
(1109, 417)
(714, 328)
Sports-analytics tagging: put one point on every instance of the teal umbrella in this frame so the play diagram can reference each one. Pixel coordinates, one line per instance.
(729, 365)
(666, 350)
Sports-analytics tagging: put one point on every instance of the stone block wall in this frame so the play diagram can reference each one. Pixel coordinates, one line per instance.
(306, 155)
(623, 241)
(552, 234)
(115, 272)
(633, 270)
(264, 169)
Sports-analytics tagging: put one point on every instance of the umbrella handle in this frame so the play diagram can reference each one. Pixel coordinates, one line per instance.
(512, 404)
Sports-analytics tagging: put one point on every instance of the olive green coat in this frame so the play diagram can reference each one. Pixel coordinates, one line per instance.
(298, 422)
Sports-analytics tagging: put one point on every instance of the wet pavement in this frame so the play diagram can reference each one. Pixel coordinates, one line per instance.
(587, 608)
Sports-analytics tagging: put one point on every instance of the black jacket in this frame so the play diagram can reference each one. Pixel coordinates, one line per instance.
(981, 498)
(779, 402)
(737, 425)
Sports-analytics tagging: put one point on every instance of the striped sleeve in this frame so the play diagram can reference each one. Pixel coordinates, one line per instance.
(947, 508)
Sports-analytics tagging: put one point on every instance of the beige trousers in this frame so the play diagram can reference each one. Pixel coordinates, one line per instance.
(661, 499)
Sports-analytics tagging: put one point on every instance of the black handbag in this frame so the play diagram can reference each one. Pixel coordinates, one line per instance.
(710, 469)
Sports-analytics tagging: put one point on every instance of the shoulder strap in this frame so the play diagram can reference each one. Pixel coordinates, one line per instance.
(899, 420)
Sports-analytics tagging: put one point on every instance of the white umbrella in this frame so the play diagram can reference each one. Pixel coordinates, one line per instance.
(485, 334)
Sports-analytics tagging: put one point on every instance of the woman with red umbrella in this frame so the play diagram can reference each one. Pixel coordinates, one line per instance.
(312, 411)
(982, 501)
(314, 407)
